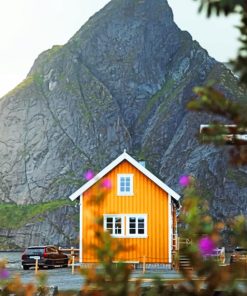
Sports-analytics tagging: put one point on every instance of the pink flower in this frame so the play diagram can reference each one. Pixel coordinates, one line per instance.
(206, 245)
(106, 183)
(184, 180)
(89, 175)
(4, 273)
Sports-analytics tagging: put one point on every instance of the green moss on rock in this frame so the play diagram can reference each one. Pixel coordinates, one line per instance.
(155, 99)
(15, 216)
(238, 177)
(22, 86)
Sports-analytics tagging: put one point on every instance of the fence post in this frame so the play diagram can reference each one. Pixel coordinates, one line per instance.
(73, 264)
(72, 251)
(144, 265)
(36, 265)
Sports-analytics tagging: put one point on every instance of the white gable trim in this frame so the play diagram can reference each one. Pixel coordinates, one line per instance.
(169, 228)
(81, 230)
(136, 164)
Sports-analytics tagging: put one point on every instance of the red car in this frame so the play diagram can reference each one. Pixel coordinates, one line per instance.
(47, 256)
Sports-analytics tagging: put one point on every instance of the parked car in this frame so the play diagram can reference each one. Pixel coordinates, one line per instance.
(239, 255)
(47, 256)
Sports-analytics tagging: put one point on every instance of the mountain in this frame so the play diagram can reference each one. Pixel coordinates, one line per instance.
(121, 82)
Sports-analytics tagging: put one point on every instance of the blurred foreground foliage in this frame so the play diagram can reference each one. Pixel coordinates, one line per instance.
(210, 100)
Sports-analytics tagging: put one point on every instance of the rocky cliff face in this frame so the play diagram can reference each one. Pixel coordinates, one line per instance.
(122, 81)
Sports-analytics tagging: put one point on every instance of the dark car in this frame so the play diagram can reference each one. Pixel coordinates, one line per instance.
(239, 255)
(47, 256)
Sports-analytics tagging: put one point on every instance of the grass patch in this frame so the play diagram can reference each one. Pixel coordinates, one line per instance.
(238, 177)
(155, 99)
(15, 216)
(21, 86)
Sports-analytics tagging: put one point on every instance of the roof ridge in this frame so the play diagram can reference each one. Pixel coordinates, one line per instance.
(113, 164)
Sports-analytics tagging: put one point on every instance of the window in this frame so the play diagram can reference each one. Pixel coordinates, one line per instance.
(125, 184)
(126, 225)
(114, 224)
(136, 225)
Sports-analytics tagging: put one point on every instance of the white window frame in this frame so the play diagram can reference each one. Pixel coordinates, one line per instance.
(125, 193)
(114, 217)
(136, 235)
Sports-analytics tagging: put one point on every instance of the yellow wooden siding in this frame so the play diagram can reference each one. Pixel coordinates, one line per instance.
(148, 199)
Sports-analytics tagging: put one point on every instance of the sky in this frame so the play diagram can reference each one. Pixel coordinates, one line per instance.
(28, 27)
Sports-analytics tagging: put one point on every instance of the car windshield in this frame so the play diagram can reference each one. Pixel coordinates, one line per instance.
(34, 251)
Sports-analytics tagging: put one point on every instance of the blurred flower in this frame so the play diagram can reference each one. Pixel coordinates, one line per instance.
(206, 245)
(89, 175)
(184, 180)
(4, 273)
(106, 183)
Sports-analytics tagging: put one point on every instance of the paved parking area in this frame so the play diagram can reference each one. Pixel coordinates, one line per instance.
(65, 280)
(60, 277)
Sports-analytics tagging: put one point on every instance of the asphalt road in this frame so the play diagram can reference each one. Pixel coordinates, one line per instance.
(63, 277)
(60, 277)
(65, 280)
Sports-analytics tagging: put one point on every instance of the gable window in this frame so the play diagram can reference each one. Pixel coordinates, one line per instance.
(125, 184)
(114, 224)
(136, 225)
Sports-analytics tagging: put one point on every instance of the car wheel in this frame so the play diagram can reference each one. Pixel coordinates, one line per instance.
(25, 267)
(65, 264)
(49, 264)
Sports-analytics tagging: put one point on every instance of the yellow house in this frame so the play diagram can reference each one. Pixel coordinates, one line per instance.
(138, 209)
